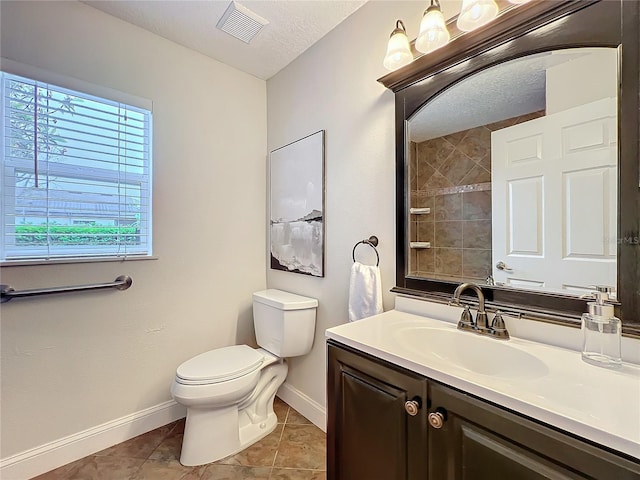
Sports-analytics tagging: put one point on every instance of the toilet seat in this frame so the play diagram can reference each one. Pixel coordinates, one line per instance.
(219, 365)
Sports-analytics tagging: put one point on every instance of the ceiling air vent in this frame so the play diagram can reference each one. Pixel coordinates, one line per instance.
(240, 22)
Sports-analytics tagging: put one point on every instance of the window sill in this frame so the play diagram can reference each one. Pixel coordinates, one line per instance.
(58, 261)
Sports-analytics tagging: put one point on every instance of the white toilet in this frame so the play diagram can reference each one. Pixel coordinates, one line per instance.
(229, 391)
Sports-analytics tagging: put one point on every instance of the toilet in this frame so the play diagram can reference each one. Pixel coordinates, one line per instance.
(229, 391)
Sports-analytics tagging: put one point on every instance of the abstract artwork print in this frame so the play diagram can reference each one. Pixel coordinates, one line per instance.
(297, 206)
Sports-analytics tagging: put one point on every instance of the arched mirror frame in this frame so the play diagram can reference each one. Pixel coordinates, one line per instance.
(534, 27)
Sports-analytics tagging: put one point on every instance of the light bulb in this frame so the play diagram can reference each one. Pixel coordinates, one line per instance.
(398, 49)
(433, 30)
(475, 13)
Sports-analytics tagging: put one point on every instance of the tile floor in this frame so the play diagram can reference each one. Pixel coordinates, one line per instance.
(294, 451)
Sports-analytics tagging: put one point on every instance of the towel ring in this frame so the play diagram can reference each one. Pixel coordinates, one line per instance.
(372, 241)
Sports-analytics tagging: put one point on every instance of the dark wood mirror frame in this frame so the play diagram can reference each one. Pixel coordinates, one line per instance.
(538, 26)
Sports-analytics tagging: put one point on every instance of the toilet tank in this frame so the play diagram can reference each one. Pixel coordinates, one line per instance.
(285, 323)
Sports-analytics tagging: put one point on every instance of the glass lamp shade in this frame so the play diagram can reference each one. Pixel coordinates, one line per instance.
(433, 31)
(398, 51)
(518, 2)
(475, 13)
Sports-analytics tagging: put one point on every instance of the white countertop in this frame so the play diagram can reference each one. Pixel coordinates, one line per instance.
(595, 403)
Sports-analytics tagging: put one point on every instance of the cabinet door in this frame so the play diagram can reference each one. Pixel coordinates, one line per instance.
(370, 435)
(479, 441)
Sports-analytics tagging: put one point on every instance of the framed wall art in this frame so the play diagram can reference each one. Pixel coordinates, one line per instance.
(297, 206)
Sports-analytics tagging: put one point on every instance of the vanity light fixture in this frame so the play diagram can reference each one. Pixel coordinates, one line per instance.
(434, 33)
(433, 30)
(475, 13)
(398, 49)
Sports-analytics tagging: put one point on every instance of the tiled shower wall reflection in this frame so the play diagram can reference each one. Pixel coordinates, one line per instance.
(459, 229)
(452, 176)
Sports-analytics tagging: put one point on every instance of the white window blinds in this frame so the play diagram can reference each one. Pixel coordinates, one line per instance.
(75, 176)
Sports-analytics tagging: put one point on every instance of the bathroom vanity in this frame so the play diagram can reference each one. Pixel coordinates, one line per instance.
(523, 410)
(502, 199)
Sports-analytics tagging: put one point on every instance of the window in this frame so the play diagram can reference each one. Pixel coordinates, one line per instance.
(75, 174)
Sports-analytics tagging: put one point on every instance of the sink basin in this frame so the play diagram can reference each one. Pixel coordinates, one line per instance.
(470, 352)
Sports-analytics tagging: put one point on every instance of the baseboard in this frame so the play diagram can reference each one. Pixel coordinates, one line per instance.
(65, 450)
(304, 404)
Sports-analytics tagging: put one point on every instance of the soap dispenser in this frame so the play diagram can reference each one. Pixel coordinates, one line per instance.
(601, 331)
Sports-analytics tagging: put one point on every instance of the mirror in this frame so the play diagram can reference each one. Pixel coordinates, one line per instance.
(513, 175)
(546, 80)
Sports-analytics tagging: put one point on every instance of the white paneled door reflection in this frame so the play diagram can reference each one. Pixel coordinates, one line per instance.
(554, 199)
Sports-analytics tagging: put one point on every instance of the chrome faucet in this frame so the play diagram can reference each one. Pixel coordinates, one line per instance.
(480, 324)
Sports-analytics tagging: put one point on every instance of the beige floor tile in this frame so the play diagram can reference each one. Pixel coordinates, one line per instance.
(296, 418)
(63, 472)
(179, 426)
(169, 450)
(195, 475)
(140, 446)
(162, 470)
(302, 446)
(260, 454)
(296, 474)
(280, 408)
(107, 468)
(235, 472)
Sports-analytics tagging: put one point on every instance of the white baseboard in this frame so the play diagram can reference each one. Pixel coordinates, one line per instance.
(304, 404)
(36, 461)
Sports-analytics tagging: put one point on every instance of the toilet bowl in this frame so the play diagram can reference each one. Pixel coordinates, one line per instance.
(229, 391)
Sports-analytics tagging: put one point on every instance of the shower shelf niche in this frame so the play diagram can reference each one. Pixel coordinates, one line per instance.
(419, 211)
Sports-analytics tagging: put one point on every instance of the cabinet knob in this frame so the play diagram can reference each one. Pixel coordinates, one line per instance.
(412, 407)
(436, 419)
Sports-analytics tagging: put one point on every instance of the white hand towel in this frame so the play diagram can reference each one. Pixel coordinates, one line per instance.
(365, 291)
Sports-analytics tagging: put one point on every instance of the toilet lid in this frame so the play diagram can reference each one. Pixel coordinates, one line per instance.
(220, 365)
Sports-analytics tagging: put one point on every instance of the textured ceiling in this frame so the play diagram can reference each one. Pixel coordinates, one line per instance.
(505, 91)
(293, 27)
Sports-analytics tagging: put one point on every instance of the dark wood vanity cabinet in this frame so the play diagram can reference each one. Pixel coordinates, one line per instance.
(453, 436)
(371, 436)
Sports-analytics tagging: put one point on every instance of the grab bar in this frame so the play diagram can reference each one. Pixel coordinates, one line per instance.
(8, 293)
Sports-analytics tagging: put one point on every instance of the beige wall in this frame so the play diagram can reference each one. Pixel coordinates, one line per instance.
(76, 361)
(583, 80)
(333, 86)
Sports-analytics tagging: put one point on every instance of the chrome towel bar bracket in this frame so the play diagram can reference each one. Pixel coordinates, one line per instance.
(7, 292)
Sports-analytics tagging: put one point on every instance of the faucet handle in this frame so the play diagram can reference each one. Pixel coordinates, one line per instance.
(498, 328)
(466, 320)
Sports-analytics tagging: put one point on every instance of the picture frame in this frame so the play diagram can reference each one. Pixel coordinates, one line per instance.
(296, 213)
